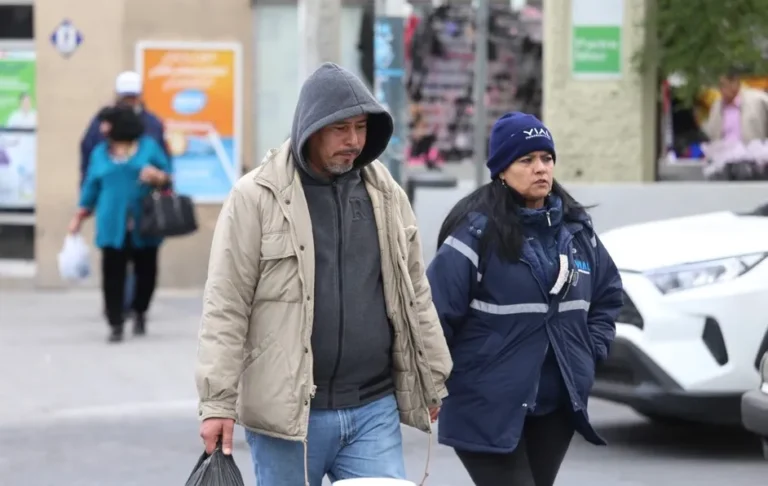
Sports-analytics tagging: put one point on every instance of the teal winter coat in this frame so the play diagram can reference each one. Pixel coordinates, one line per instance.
(113, 192)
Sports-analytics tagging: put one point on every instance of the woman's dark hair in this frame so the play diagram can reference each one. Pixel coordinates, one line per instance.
(105, 113)
(503, 233)
(125, 123)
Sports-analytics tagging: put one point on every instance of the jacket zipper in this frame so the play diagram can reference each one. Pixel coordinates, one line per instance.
(339, 254)
(546, 347)
(549, 221)
(551, 300)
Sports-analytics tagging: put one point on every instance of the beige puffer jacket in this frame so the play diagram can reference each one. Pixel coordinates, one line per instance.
(254, 357)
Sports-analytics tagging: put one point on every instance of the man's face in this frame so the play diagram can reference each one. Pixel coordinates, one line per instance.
(729, 89)
(128, 100)
(333, 149)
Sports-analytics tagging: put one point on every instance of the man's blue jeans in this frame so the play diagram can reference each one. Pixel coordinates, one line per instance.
(350, 443)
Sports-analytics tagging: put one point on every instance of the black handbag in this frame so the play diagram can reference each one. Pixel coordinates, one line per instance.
(165, 214)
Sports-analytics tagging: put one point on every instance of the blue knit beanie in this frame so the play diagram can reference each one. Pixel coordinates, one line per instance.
(513, 136)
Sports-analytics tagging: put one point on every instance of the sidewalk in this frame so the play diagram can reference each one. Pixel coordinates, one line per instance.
(57, 364)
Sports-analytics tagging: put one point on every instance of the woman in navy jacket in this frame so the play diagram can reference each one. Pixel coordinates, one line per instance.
(527, 296)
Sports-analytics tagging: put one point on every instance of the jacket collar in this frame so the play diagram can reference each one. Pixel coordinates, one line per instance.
(278, 169)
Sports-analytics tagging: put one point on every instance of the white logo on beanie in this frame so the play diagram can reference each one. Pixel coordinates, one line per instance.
(536, 132)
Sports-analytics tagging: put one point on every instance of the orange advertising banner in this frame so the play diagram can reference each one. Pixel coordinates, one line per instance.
(196, 89)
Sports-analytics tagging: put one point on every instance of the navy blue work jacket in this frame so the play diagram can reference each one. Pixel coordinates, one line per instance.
(499, 320)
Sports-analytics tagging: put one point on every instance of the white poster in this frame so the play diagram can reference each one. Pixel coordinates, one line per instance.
(18, 152)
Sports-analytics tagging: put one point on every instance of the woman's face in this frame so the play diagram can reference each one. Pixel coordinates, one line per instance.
(531, 176)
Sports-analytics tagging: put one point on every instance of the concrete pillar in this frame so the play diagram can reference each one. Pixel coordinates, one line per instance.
(69, 93)
(319, 34)
(604, 129)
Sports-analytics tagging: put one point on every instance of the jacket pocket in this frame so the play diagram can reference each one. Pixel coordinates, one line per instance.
(279, 270)
(275, 246)
(268, 401)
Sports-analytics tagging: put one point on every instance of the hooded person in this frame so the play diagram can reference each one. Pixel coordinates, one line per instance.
(317, 293)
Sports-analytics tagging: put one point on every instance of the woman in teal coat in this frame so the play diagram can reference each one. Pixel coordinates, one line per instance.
(122, 171)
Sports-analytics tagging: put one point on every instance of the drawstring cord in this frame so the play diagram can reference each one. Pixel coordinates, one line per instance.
(429, 456)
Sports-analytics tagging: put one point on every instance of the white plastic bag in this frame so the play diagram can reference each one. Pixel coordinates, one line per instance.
(74, 259)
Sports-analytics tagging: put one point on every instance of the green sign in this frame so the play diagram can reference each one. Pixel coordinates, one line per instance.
(18, 125)
(17, 90)
(597, 51)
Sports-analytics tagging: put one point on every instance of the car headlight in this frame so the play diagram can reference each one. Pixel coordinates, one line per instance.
(692, 275)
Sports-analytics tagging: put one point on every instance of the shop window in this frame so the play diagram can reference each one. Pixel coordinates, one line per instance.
(17, 241)
(687, 152)
(16, 22)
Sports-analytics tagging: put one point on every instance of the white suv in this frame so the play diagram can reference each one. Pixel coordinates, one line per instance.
(693, 329)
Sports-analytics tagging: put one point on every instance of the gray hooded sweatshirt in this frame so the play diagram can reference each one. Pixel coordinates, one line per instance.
(351, 336)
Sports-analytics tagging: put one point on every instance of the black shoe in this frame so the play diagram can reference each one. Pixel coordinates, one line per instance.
(139, 325)
(115, 335)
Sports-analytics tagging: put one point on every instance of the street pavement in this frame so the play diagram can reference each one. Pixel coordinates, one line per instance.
(75, 411)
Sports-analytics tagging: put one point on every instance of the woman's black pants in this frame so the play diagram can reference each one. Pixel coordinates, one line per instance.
(114, 265)
(536, 460)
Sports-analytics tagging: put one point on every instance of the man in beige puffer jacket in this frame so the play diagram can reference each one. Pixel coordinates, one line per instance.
(318, 334)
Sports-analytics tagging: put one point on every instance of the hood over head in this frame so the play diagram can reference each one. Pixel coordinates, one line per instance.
(332, 94)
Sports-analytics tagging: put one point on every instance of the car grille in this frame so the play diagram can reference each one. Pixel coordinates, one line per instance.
(714, 341)
(629, 313)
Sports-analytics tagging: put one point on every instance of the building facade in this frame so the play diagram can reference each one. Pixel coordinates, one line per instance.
(74, 69)
(73, 75)
(600, 107)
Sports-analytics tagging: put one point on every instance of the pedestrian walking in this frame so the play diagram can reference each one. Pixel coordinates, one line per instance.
(318, 319)
(528, 297)
(121, 173)
(128, 93)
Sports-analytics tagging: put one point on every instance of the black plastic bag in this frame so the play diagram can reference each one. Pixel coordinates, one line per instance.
(216, 469)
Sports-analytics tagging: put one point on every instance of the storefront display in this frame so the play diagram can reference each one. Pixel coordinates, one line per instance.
(688, 153)
(440, 66)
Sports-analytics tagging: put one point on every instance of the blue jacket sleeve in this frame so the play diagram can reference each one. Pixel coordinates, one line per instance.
(452, 275)
(89, 193)
(155, 129)
(91, 138)
(160, 158)
(606, 302)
